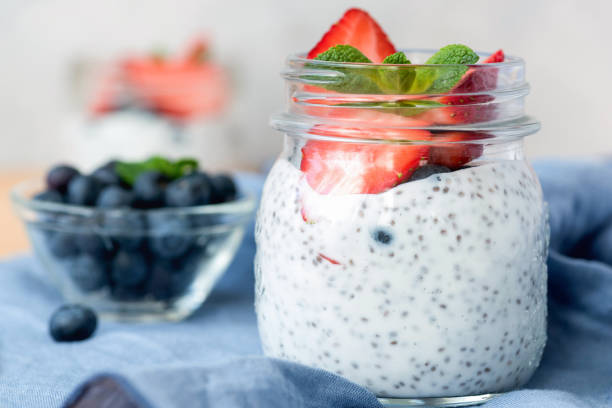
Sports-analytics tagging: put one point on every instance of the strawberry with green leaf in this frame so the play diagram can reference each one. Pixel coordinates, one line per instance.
(336, 167)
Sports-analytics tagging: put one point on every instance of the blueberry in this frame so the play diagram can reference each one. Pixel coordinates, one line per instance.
(128, 293)
(60, 176)
(125, 230)
(87, 273)
(382, 236)
(83, 190)
(193, 189)
(428, 170)
(223, 189)
(63, 244)
(72, 323)
(94, 244)
(172, 278)
(160, 284)
(149, 189)
(51, 196)
(47, 219)
(114, 197)
(185, 272)
(106, 175)
(60, 237)
(129, 269)
(171, 236)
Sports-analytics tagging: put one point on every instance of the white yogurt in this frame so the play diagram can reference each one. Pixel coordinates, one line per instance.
(436, 287)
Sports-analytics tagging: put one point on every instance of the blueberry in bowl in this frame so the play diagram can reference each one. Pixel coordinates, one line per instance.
(135, 240)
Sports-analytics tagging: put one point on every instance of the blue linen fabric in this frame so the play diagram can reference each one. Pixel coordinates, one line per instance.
(213, 359)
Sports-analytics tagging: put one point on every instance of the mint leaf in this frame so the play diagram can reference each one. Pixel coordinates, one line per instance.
(395, 80)
(353, 80)
(454, 54)
(403, 107)
(342, 53)
(441, 80)
(366, 80)
(129, 171)
(397, 58)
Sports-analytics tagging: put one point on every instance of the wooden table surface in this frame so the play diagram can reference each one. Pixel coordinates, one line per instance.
(13, 239)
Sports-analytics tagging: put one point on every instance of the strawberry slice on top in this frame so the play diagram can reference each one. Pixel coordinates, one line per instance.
(359, 29)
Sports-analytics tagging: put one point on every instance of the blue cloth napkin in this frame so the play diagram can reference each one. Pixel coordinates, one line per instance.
(213, 359)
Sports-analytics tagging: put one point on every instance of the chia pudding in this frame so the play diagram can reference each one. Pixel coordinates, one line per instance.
(435, 287)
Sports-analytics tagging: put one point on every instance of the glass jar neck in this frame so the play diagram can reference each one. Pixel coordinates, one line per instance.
(394, 102)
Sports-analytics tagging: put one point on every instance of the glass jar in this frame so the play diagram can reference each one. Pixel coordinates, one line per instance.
(402, 235)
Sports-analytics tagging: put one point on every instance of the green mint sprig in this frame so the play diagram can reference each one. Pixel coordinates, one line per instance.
(342, 53)
(397, 58)
(129, 171)
(395, 80)
(402, 107)
(441, 80)
(359, 80)
(365, 79)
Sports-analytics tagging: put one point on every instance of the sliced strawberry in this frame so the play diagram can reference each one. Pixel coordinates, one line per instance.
(477, 80)
(178, 89)
(454, 155)
(333, 167)
(107, 96)
(472, 108)
(497, 56)
(359, 29)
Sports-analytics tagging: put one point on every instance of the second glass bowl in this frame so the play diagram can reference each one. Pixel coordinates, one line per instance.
(131, 264)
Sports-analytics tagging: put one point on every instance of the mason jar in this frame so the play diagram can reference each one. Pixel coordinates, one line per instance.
(402, 235)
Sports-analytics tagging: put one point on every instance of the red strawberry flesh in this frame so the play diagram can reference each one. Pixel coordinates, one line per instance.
(454, 155)
(335, 167)
(359, 29)
(471, 108)
(465, 109)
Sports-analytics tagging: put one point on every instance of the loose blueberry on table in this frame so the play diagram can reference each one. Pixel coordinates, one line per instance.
(72, 323)
(131, 251)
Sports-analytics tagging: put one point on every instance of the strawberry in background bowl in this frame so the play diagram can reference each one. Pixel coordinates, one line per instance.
(180, 87)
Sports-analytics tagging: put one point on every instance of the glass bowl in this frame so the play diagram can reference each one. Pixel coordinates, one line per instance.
(136, 265)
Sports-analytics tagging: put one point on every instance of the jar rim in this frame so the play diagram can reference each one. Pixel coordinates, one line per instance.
(496, 132)
(370, 101)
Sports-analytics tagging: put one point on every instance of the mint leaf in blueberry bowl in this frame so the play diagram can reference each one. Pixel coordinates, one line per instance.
(136, 241)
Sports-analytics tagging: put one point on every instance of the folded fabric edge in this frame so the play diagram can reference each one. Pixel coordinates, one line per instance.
(588, 290)
(262, 381)
(106, 389)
